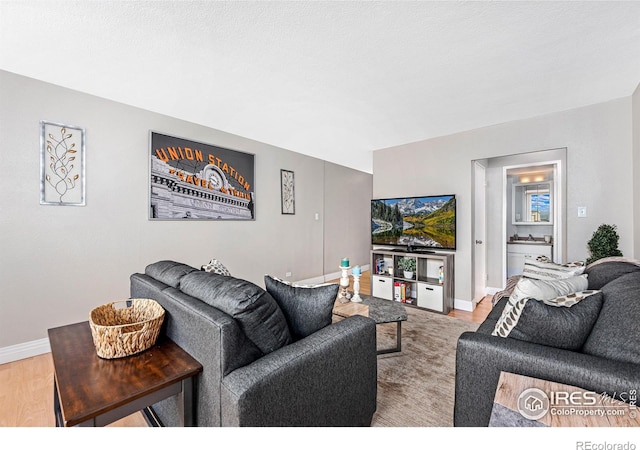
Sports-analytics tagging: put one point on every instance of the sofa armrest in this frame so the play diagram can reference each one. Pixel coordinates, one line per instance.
(212, 337)
(326, 379)
(480, 358)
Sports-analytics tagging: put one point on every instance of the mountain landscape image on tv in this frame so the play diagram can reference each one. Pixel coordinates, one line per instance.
(428, 222)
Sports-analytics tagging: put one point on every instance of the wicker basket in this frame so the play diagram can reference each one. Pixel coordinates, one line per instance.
(126, 330)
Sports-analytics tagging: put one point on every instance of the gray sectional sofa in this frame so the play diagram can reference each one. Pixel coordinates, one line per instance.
(604, 359)
(261, 368)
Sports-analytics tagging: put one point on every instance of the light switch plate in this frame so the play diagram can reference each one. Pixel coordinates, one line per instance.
(582, 211)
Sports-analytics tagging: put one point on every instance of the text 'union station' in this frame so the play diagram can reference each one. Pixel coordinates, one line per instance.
(178, 194)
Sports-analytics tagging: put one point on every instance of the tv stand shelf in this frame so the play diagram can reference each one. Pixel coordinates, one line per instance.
(431, 286)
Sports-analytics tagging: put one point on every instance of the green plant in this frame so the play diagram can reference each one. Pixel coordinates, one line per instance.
(408, 264)
(603, 243)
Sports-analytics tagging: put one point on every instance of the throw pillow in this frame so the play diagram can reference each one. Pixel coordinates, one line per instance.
(547, 289)
(616, 334)
(257, 313)
(570, 299)
(509, 318)
(558, 326)
(216, 266)
(543, 270)
(306, 308)
(542, 290)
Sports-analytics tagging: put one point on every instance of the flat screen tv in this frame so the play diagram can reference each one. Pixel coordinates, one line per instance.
(415, 222)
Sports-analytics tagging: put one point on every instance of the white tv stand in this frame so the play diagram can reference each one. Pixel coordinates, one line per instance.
(425, 290)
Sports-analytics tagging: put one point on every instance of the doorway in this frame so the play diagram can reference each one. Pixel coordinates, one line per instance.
(498, 199)
(531, 214)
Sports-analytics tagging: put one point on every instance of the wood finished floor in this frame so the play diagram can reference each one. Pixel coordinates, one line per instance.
(26, 386)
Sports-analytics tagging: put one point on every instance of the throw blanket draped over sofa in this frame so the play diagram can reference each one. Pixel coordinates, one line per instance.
(260, 368)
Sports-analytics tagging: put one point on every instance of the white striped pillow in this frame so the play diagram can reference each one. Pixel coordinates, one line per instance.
(542, 270)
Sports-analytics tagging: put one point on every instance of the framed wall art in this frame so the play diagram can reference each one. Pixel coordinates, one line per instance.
(62, 164)
(287, 192)
(191, 180)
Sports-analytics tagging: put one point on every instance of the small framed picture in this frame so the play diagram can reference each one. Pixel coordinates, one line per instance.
(62, 164)
(288, 197)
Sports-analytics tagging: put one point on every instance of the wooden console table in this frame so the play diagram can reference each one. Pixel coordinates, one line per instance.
(91, 391)
(592, 410)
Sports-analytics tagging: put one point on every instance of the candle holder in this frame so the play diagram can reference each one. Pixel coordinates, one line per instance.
(344, 294)
(356, 288)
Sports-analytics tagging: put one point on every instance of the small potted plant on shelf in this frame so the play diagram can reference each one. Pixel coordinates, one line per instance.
(408, 265)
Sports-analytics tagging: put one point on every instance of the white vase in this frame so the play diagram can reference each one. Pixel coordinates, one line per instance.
(408, 275)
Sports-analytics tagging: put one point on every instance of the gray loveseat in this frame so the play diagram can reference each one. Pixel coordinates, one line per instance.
(259, 368)
(605, 359)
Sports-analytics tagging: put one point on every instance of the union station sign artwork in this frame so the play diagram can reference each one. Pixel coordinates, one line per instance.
(191, 180)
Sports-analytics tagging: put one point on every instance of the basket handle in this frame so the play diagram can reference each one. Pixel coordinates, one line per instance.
(113, 304)
(135, 325)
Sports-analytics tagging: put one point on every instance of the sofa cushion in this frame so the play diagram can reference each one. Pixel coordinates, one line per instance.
(306, 308)
(547, 289)
(608, 269)
(616, 334)
(558, 326)
(168, 272)
(256, 311)
(547, 270)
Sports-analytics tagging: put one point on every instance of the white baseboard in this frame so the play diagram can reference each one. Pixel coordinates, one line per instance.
(327, 277)
(463, 305)
(311, 281)
(22, 351)
(492, 290)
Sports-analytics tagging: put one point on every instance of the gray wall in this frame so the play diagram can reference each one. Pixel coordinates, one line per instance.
(598, 139)
(58, 263)
(345, 233)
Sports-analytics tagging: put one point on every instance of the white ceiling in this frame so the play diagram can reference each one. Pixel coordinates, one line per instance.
(335, 80)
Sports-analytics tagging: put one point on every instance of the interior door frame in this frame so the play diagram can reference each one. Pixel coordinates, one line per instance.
(558, 205)
(479, 272)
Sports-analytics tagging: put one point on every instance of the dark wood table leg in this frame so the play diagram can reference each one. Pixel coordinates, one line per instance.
(150, 417)
(57, 412)
(187, 403)
(398, 347)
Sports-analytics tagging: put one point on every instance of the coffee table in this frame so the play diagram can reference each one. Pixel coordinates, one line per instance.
(380, 310)
(91, 391)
